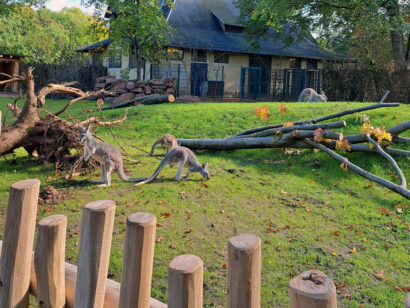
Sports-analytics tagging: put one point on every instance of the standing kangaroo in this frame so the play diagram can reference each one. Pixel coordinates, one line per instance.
(107, 155)
(310, 95)
(183, 156)
(167, 141)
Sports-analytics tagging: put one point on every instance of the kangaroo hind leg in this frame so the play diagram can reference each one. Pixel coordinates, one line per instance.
(102, 178)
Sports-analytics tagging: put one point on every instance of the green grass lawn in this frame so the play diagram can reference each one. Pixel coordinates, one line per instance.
(251, 191)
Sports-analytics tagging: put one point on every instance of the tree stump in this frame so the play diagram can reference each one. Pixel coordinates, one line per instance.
(312, 289)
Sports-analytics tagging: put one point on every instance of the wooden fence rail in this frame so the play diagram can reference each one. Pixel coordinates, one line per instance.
(57, 284)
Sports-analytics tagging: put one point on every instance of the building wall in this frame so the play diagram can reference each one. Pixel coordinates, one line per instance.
(182, 69)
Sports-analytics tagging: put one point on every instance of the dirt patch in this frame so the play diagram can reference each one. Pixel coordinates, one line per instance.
(50, 195)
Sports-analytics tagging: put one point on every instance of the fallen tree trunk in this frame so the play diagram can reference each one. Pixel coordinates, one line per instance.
(319, 119)
(274, 131)
(128, 103)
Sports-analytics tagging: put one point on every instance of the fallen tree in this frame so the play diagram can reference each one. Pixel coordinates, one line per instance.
(40, 132)
(311, 133)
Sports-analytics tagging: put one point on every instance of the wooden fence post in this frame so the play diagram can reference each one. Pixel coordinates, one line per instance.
(407, 301)
(138, 261)
(185, 282)
(312, 289)
(244, 271)
(94, 253)
(49, 257)
(15, 263)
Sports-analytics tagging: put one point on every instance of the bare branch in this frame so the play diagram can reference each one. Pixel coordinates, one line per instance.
(394, 187)
(101, 123)
(396, 168)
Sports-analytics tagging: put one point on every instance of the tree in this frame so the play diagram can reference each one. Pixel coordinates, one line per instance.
(43, 35)
(136, 26)
(7, 5)
(337, 21)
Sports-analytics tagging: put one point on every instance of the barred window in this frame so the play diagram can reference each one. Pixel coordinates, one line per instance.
(221, 57)
(295, 63)
(114, 58)
(199, 55)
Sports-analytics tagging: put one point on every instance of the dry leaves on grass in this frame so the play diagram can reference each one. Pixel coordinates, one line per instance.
(384, 211)
(188, 231)
(166, 215)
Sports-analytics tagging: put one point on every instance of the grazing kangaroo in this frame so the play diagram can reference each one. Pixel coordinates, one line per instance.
(107, 155)
(183, 156)
(310, 95)
(167, 141)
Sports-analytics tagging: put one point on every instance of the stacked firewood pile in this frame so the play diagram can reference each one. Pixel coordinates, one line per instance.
(118, 90)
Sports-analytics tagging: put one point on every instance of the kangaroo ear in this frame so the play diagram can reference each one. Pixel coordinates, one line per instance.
(205, 166)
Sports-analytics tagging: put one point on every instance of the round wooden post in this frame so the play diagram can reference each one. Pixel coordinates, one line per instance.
(94, 253)
(312, 289)
(244, 271)
(185, 281)
(407, 301)
(15, 263)
(138, 261)
(49, 258)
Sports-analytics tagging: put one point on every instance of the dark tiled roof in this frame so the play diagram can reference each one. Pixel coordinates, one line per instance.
(93, 46)
(196, 25)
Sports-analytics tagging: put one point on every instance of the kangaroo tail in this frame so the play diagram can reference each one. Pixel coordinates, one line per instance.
(153, 147)
(126, 178)
(156, 173)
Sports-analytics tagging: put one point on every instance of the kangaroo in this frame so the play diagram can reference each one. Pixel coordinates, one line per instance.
(167, 141)
(310, 95)
(183, 156)
(107, 155)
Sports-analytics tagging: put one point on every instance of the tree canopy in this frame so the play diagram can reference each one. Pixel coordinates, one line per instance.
(43, 35)
(359, 27)
(137, 26)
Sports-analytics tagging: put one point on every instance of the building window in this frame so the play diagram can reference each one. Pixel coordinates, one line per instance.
(155, 72)
(311, 64)
(295, 63)
(199, 55)
(114, 58)
(97, 58)
(221, 57)
(133, 59)
(175, 54)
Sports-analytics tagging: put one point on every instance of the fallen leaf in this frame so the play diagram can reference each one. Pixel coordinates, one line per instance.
(173, 246)
(188, 217)
(165, 215)
(388, 245)
(159, 239)
(279, 248)
(204, 185)
(379, 274)
(336, 233)
(334, 254)
(188, 231)
(225, 265)
(399, 211)
(353, 250)
(347, 295)
(308, 209)
(318, 238)
(222, 211)
(283, 192)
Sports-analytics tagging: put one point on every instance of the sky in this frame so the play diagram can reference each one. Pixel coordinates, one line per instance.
(57, 5)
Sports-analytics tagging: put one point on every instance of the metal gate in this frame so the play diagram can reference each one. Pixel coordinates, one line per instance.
(251, 82)
(295, 80)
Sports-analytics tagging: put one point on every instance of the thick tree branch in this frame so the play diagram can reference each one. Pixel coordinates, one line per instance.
(396, 168)
(394, 187)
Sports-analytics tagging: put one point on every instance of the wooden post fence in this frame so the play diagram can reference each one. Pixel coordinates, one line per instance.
(17, 249)
(185, 282)
(57, 284)
(94, 253)
(244, 271)
(312, 289)
(49, 261)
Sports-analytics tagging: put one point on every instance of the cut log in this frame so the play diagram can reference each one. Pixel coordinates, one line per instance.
(169, 98)
(124, 98)
(130, 85)
(101, 79)
(129, 103)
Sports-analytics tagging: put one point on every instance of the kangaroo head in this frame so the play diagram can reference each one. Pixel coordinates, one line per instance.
(85, 133)
(323, 95)
(205, 172)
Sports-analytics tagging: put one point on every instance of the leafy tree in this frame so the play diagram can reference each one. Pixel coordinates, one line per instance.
(341, 23)
(7, 5)
(136, 26)
(43, 35)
